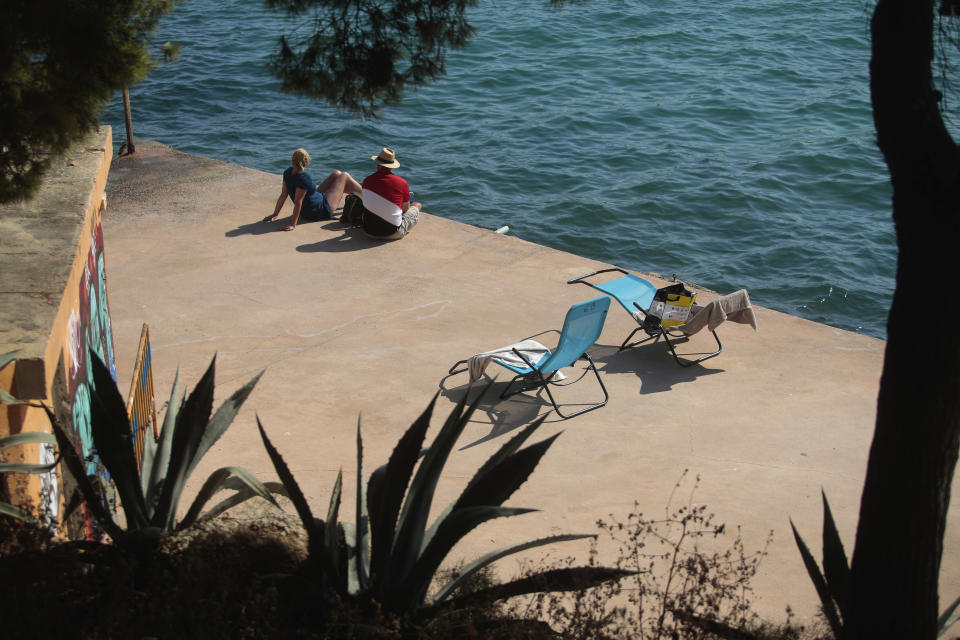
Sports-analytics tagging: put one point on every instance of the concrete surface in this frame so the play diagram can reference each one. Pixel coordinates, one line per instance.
(345, 326)
(41, 244)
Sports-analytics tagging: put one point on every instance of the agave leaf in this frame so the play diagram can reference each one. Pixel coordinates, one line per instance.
(508, 449)
(6, 398)
(8, 357)
(360, 566)
(28, 437)
(411, 527)
(155, 476)
(820, 584)
(836, 569)
(215, 483)
(23, 467)
(293, 489)
(501, 480)
(191, 421)
(331, 537)
(948, 618)
(146, 466)
(468, 571)
(242, 494)
(7, 509)
(222, 420)
(385, 495)
(112, 439)
(569, 579)
(68, 453)
(413, 589)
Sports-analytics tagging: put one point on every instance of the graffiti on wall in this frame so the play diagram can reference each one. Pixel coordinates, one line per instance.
(89, 329)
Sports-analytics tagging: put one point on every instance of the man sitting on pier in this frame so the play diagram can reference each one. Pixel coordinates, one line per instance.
(388, 213)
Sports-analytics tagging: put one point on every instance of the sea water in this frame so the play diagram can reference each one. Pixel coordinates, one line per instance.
(730, 143)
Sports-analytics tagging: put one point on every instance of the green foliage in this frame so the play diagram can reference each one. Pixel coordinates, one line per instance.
(360, 54)
(60, 62)
(833, 583)
(17, 440)
(16, 467)
(151, 494)
(391, 557)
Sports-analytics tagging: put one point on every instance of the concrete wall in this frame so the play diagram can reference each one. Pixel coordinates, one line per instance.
(53, 306)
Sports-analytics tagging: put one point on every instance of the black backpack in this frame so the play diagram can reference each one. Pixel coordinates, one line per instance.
(352, 214)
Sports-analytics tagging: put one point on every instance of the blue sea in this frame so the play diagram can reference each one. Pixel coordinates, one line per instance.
(730, 143)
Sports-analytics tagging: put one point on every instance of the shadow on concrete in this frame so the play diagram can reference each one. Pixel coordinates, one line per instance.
(504, 415)
(350, 239)
(652, 363)
(260, 227)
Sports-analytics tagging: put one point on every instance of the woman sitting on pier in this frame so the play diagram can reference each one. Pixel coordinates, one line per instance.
(312, 201)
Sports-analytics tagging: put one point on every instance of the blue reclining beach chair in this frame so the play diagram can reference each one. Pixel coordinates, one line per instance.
(537, 366)
(636, 295)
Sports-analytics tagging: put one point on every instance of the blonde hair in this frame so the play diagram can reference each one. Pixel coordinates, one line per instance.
(301, 159)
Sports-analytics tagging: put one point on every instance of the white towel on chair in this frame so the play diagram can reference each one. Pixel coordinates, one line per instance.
(531, 349)
(734, 307)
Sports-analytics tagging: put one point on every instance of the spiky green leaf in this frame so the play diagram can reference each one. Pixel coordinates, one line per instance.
(28, 437)
(24, 467)
(487, 559)
(509, 448)
(70, 457)
(191, 421)
(222, 420)
(155, 476)
(836, 569)
(412, 526)
(217, 481)
(13, 511)
(8, 357)
(242, 495)
(113, 441)
(413, 586)
(385, 496)
(948, 618)
(819, 583)
(360, 565)
(568, 579)
(293, 489)
(6, 398)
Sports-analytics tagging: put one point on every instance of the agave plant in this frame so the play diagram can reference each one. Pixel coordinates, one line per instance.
(32, 437)
(390, 555)
(833, 583)
(151, 494)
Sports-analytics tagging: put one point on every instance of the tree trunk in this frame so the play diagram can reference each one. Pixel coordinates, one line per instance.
(903, 509)
(128, 120)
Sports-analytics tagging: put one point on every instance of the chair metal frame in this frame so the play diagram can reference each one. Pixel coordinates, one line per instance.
(634, 292)
(540, 374)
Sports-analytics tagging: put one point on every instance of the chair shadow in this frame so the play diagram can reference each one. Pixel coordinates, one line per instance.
(504, 414)
(351, 239)
(652, 363)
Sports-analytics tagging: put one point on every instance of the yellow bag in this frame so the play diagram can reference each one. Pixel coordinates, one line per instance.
(671, 305)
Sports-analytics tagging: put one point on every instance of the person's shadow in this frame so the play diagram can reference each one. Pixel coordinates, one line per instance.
(350, 239)
(257, 228)
(260, 227)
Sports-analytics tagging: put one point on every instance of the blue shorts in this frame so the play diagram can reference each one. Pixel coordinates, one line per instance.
(318, 210)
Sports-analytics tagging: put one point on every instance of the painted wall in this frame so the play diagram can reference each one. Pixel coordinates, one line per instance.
(54, 367)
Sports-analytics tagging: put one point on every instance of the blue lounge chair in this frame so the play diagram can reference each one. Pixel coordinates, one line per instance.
(635, 294)
(581, 329)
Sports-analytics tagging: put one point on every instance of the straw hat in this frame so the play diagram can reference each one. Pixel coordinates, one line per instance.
(387, 158)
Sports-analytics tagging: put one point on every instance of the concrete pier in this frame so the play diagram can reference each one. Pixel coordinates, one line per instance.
(346, 326)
